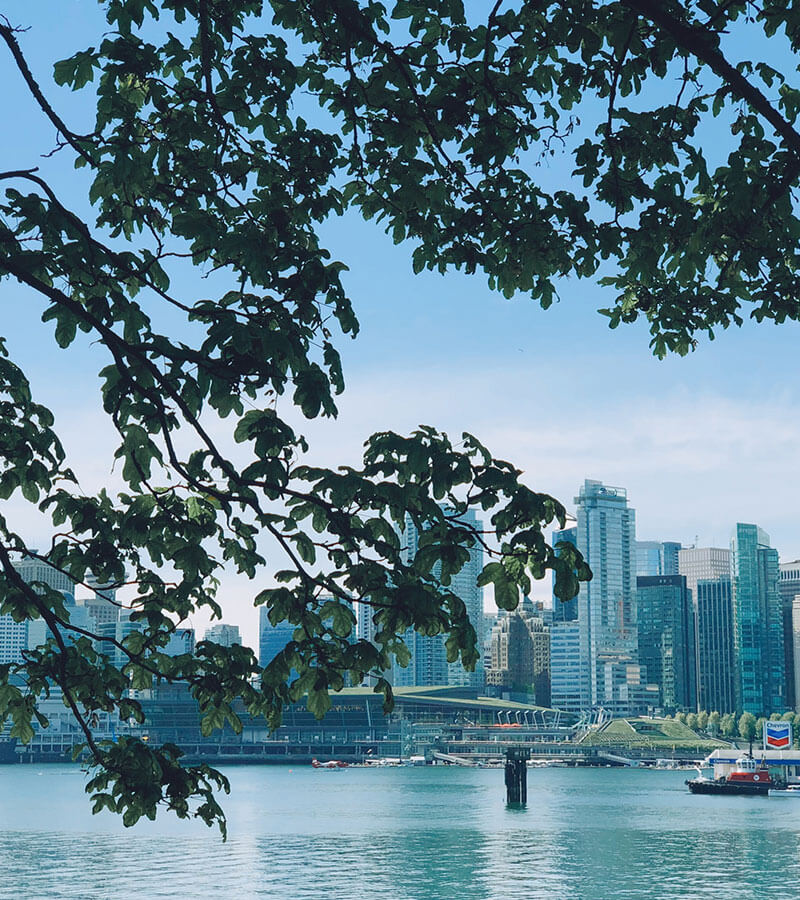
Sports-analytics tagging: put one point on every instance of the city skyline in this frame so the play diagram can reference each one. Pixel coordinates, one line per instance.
(553, 391)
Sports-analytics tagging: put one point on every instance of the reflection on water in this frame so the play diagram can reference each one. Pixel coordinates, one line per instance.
(403, 834)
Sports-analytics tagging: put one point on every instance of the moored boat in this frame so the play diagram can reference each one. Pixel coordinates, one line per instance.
(330, 764)
(748, 778)
(791, 791)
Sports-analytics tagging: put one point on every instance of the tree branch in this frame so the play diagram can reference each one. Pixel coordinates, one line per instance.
(7, 34)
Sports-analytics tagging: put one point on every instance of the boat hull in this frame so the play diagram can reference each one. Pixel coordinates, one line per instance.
(747, 789)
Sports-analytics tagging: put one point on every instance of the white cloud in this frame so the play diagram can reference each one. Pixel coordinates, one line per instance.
(694, 462)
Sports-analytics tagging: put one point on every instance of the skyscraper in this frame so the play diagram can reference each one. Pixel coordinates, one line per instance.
(666, 639)
(271, 638)
(648, 559)
(428, 665)
(607, 603)
(511, 665)
(657, 558)
(796, 641)
(717, 662)
(569, 688)
(789, 585)
(757, 623)
(565, 611)
(713, 623)
(669, 557)
(520, 653)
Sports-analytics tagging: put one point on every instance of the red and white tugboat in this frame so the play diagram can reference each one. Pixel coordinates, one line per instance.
(748, 777)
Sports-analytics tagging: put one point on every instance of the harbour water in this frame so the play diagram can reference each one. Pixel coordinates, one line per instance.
(404, 834)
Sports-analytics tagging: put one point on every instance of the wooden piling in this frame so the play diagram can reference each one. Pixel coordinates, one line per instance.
(517, 775)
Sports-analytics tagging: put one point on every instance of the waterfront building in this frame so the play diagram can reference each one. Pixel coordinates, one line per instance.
(607, 603)
(567, 610)
(222, 634)
(568, 678)
(666, 639)
(757, 623)
(428, 664)
(789, 585)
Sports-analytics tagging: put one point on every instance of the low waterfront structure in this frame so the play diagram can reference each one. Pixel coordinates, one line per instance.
(424, 720)
(785, 764)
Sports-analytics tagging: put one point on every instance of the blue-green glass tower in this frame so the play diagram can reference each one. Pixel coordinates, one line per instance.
(565, 611)
(757, 623)
(272, 638)
(666, 639)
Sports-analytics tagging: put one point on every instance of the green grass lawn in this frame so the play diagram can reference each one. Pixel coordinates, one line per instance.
(644, 733)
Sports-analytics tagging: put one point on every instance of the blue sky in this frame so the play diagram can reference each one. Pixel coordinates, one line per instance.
(699, 442)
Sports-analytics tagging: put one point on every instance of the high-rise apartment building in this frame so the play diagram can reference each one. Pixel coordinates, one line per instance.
(757, 623)
(428, 665)
(666, 639)
(13, 639)
(607, 603)
(789, 585)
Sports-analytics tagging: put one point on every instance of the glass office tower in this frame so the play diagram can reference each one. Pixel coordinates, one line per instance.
(757, 623)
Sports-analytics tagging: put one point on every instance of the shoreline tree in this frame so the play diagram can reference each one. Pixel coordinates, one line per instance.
(432, 121)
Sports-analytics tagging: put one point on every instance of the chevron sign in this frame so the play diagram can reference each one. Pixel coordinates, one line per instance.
(777, 735)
